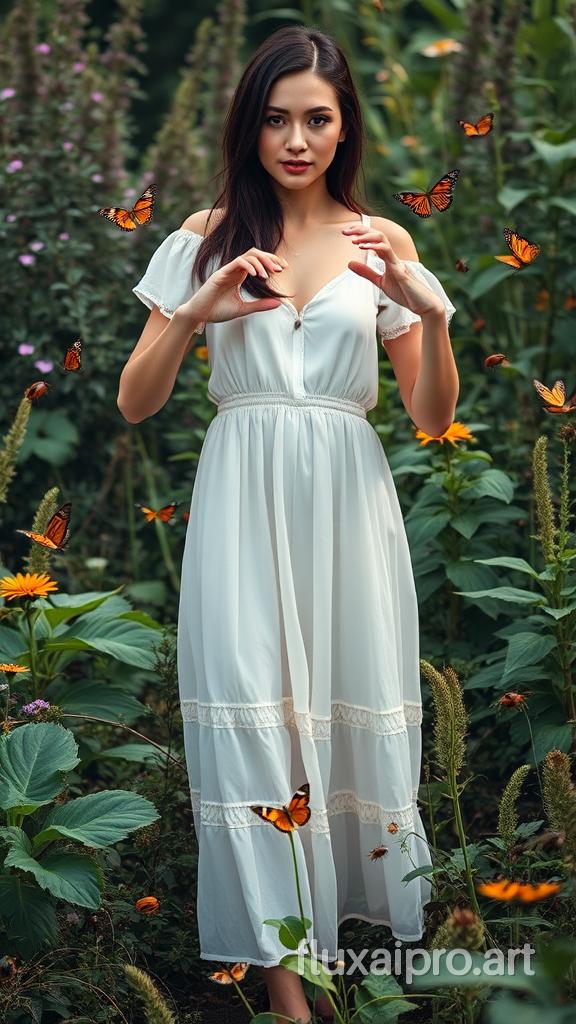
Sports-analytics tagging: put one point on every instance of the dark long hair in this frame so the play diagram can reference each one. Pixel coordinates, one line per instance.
(254, 214)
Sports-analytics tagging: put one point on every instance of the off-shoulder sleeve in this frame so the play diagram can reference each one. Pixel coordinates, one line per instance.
(167, 281)
(394, 319)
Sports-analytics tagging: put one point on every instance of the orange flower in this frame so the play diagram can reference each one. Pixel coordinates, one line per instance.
(147, 905)
(570, 302)
(9, 667)
(30, 584)
(441, 47)
(543, 300)
(393, 827)
(456, 432)
(523, 892)
(201, 352)
(409, 141)
(478, 324)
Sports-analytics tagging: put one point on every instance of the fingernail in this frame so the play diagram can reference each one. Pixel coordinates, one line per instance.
(263, 273)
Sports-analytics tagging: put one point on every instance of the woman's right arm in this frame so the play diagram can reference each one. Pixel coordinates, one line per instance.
(147, 380)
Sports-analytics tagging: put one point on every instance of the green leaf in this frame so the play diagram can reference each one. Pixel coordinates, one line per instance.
(99, 819)
(564, 203)
(91, 697)
(508, 562)
(33, 759)
(63, 607)
(527, 649)
(492, 484)
(28, 914)
(552, 155)
(512, 594)
(68, 876)
(549, 737)
(510, 197)
(126, 641)
(137, 753)
(421, 529)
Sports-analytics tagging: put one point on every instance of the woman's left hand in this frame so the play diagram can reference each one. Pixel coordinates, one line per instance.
(397, 282)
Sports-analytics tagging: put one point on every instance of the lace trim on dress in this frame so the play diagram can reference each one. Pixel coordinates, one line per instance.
(282, 713)
(166, 309)
(240, 815)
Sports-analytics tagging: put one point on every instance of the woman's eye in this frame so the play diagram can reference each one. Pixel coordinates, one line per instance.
(317, 117)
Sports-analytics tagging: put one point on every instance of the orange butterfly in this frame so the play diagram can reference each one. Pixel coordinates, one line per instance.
(227, 977)
(440, 196)
(141, 212)
(286, 819)
(482, 127)
(555, 397)
(73, 357)
(523, 252)
(55, 535)
(164, 514)
(36, 390)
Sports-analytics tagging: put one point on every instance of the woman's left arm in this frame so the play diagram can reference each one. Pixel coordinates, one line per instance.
(422, 358)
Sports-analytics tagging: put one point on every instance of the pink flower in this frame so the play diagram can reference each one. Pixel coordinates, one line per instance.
(42, 48)
(77, 67)
(67, 146)
(26, 260)
(10, 218)
(63, 236)
(36, 246)
(96, 177)
(96, 96)
(44, 365)
(14, 165)
(7, 94)
(25, 349)
(67, 105)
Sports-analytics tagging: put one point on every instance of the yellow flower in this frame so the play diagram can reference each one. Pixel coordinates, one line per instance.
(30, 584)
(456, 432)
(440, 47)
(10, 667)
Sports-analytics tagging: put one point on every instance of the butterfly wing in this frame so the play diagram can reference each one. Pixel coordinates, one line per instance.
(482, 127)
(298, 808)
(555, 396)
(287, 819)
(418, 202)
(144, 206)
(523, 251)
(166, 513)
(57, 529)
(73, 357)
(148, 512)
(128, 220)
(441, 194)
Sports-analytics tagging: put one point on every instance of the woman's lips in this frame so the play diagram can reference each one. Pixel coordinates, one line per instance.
(294, 168)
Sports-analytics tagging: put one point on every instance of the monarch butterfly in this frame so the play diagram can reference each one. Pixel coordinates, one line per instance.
(482, 127)
(36, 390)
(55, 535)
(286, 819)
(73, 357)
(440, 195)
(523, 252)
(141, 212)
(164, 514)
(226, 977)
(555, 397)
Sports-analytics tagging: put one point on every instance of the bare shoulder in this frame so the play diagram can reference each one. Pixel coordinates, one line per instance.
(400, 239)
(197, 221)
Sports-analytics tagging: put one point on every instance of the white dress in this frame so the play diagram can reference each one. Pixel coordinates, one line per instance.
(298, 646)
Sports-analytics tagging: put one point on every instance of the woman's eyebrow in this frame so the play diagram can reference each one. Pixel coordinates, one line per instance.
(311, 110)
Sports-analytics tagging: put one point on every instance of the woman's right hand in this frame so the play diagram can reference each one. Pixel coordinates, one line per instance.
(219, 299)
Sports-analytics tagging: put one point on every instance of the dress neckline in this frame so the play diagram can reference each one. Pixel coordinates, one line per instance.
(330, 283)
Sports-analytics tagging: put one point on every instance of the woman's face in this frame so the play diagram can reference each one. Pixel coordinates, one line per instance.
(301, 133)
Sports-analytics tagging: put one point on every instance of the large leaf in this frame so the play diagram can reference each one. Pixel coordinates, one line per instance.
(552, 155)
(527, 649)
(91, 697)
(28, 914)
(62, 607)
(492, 484)
(99, 819)
(33, 759)
(421, 529)
(12, 644)
(127, 641)
(74, 877)
(508, 562)
(512, 594)
(134, 752)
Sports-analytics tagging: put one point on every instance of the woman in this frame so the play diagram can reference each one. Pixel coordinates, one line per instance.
(298, 621)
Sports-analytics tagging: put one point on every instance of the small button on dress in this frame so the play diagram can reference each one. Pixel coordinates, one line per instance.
(298, 645)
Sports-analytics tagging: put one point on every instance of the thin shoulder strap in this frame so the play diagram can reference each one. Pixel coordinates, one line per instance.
(366, 220)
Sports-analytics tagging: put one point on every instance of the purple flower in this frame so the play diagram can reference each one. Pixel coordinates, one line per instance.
(67, 146)
(42, 48)
(44, 365)
(25, 349)
(14, 165)
(10, 218)
(96, 96)
(36, 246)
(77, 67)
(34, 707)
(67, 105)
(96, 177)
(7, 94)
(27, 260)
(63, 236)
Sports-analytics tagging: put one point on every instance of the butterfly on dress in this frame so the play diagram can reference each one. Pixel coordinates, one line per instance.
(55, 535)
(439, 196)
(141, 212)
(36, 390)
(482, 127)
(286, 819)
(555, 397)
(73, 358)
(229, 976)
(163, 514)
(523, 252)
